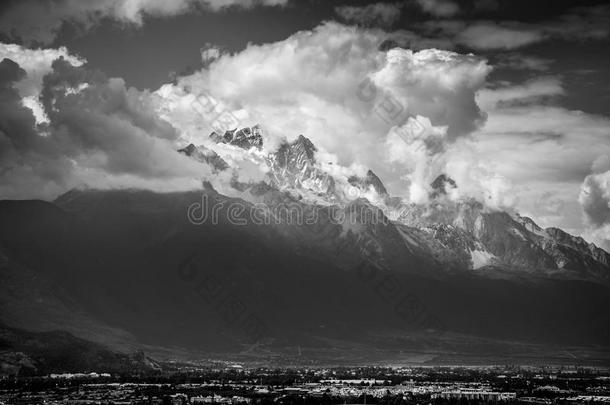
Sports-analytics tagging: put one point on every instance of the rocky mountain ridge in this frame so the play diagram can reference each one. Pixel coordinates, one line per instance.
(132, 263)
(461, 234)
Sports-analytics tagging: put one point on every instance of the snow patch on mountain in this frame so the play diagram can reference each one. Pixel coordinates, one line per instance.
(518, 233)
(481, 258)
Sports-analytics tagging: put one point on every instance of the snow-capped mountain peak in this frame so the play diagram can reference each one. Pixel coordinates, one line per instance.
(459, 233)
(245, 138)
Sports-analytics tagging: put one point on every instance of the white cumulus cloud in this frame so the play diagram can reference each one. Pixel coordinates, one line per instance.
(334, 85)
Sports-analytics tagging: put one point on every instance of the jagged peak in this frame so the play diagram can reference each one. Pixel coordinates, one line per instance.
(370, 179)
(302, 139)
(376, 182)
(442, 184)
(308, 147)
(245, 137)
(529, 224)
(189, 149)
(301, 146)
(205, 155)
(216, 137)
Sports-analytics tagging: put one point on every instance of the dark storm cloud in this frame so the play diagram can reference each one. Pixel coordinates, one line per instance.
(15, 118)
(379, 14)
(39, 21)
(22, 149)
(576, 24)
(517, 61)
(386, 14)
(99, 131)
(104, 116)
(17, 123)
(483, 6)
(439, 8)
(10, 72)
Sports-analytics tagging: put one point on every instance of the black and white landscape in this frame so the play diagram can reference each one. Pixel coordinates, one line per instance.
(305, 184)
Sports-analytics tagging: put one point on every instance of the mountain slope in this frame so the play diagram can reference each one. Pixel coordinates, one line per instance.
(25, 353)
(457, 233)
(513, 243)
(135, 262)
(305, 265)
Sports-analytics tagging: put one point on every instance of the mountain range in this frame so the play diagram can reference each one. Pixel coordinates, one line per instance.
(301, 267)
(458, 233)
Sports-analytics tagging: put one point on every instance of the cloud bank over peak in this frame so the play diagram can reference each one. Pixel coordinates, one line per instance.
(408, 115)
(337, 87)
